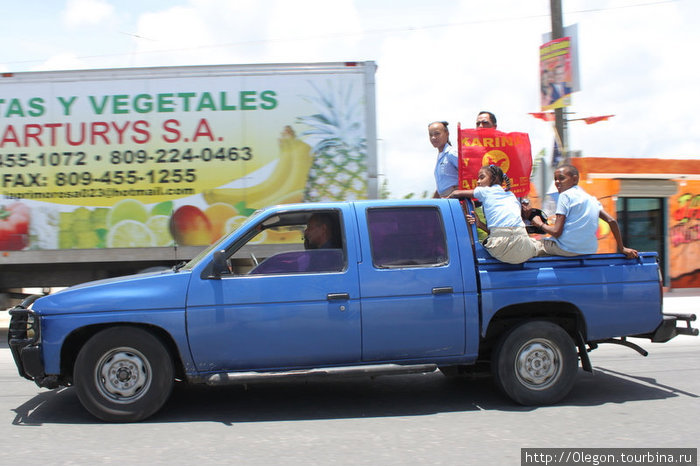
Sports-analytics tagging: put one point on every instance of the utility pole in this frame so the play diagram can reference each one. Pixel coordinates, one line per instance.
(558, 33)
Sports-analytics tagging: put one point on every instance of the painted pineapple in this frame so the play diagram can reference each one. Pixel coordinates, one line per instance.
(339, 146)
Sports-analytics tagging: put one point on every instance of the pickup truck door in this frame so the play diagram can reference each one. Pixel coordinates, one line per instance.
(276, 320)
(411, 283)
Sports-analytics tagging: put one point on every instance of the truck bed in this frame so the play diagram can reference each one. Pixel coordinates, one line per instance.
(598, 283)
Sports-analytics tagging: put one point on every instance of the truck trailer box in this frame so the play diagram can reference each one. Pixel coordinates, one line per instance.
(106, 172)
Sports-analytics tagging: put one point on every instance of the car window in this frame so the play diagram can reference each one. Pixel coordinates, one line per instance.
(405, 237)
(290, 243)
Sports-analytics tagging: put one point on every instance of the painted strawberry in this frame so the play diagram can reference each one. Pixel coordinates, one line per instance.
(14, 226)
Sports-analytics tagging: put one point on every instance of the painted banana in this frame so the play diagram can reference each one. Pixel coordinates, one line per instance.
(293, 152)
(248, 194)
(292, 188)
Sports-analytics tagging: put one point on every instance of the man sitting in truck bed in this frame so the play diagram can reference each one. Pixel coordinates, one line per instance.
(576, 223)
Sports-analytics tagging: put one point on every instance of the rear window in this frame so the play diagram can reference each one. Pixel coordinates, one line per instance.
(407, 237)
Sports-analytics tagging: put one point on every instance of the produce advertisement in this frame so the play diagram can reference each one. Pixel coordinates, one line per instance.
(684, 235)
(139, 161)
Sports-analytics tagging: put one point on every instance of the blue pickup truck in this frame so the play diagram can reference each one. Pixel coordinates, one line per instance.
(404, 289)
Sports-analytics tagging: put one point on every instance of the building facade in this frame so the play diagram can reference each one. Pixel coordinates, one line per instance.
(657, 204)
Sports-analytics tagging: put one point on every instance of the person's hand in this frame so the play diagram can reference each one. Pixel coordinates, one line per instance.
(479, 223)
(537, 221)
(630, 253)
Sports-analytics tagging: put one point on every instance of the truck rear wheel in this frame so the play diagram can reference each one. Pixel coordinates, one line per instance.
(535, 363)
(123, 374)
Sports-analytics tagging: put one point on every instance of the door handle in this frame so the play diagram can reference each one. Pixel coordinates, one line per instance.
(337, 296)
(442, 290)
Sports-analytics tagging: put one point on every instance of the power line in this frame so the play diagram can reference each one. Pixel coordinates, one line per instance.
(382, 31)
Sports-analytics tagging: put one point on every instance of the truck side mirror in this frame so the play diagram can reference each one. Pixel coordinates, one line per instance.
(219, 266)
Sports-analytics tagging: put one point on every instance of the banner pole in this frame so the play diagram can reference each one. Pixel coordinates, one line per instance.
(558, 33)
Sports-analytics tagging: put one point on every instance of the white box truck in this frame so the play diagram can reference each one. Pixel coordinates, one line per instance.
(112, 171)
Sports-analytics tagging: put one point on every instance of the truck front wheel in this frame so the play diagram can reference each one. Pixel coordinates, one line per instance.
(123, 374)
(535, 363)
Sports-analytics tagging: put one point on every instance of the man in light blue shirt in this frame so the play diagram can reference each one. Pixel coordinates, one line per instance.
(446, 171)
(577, 214)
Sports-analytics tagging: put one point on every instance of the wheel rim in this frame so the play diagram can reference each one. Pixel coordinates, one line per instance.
(538, 364)
(123, 375)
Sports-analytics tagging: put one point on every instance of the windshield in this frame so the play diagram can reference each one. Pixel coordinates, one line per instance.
(189, 265)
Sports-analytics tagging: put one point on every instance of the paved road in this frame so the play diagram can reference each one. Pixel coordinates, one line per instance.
(629, 401)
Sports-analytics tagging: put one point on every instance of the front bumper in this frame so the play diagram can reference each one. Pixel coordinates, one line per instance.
(24, 340)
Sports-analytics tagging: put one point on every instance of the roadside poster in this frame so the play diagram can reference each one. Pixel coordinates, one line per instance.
(173, 156)
(556, 78)
(684, 235)
(487, 146)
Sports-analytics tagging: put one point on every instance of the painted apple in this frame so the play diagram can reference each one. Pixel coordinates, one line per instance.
(190, 227)
(218, 214)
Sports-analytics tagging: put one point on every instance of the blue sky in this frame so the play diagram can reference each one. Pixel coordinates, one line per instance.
(440, 60)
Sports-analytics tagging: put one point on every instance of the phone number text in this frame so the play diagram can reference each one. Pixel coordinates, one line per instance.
(118, 157)
(110, 177)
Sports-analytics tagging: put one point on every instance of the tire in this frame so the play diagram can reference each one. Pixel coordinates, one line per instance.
(535, 363)
(123, 374)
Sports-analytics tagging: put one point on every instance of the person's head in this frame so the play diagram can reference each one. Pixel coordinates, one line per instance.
(490, 175)
(549, 77)
(565, 177)
(439, 134)
(486, 120)
(318, 231)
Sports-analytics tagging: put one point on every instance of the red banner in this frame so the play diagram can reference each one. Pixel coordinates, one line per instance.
(544, 116)
(591, 120)
(487, 146)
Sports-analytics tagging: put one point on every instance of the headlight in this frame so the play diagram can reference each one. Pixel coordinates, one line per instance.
(24, 326)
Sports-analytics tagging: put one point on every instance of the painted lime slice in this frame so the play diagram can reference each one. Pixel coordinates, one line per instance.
(130, 234)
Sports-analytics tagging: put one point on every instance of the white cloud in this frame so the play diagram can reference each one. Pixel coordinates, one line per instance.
(313, 30)
(62, 61)
(203, 32)
(177, 33)
(81, 12)
(635, 65)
